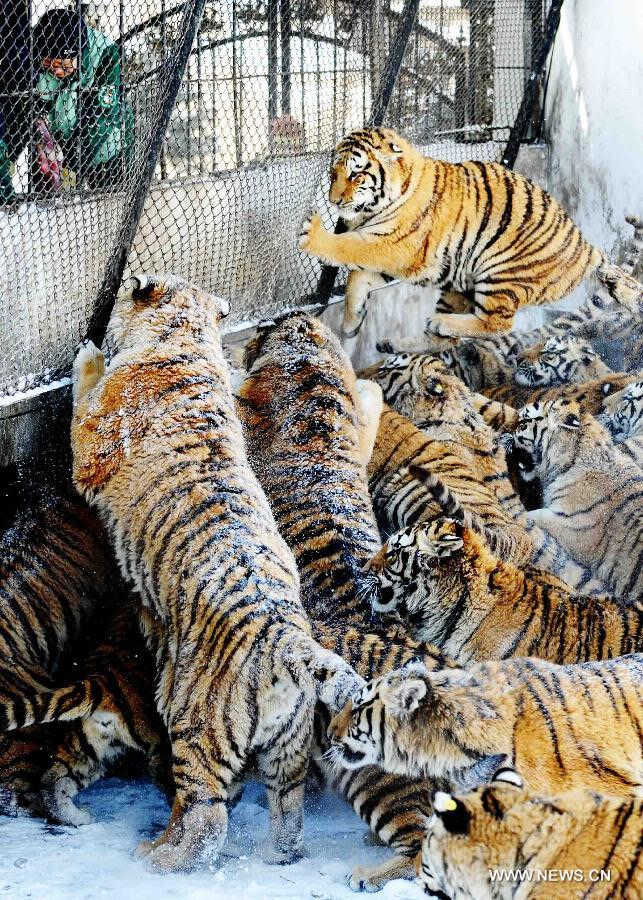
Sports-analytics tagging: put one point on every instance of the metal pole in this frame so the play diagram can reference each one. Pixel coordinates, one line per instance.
(284, 7)
(273, 62)
(380, 105)
(523, 117)
(175, 67)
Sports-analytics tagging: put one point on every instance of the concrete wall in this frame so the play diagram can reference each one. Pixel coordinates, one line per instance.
(594, 117)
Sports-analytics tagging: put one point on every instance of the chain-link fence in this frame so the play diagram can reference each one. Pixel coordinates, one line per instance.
(266, 89)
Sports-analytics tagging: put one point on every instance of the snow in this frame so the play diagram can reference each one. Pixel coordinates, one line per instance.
(47, 862)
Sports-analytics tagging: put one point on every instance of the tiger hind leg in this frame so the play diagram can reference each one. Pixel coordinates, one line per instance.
(358, 286)
(195, 834)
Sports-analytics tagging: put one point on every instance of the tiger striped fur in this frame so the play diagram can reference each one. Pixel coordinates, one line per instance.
(474, 229)
(444, 582)
(425, 495)
(159, 450)
(126, 720)
(474, 475)
(504, 827)
(560, 360)
(547, 721)
(310, 432)
(591, 493)
(305, 421)
(60, 595)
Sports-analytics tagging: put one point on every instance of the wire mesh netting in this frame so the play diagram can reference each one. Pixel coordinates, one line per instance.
(268, 88)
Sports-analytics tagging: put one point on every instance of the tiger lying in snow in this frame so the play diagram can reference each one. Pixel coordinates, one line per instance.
(504, 827)
(545, 720)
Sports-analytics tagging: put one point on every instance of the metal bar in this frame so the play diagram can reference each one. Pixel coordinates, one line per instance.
(381, 101)
(284, 11)
(530, 94)
(273, 62)
(164, 55)
(116, 267)
(235, 86)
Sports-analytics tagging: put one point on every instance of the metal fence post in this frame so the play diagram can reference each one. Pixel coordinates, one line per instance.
(522, 120)
(115, 268)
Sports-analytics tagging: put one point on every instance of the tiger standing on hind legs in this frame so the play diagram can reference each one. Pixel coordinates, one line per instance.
(159, 451)
(492, 240)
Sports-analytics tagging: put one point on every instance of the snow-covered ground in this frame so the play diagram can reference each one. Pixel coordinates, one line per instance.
(47, 862)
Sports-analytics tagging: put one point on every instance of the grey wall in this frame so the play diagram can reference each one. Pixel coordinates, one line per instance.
(594, 117)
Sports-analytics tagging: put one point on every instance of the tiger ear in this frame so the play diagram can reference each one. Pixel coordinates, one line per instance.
(452, 812)
(403, 699)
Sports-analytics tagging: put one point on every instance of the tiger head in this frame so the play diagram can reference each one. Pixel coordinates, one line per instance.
(157, 307)
(410, 722)
(560, 360)
(291, 336)
(370, 170)
(622, 413)
(492, 827)
(421, 387)
(550, 433)
(363, 732)
(418, 572)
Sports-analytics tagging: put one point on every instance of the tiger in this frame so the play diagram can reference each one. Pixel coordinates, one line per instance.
(310, 427)
(445, 584)
(159, 451)
(60, 594)
(503, 827)
(440, 405)
(490, 238)
(622, 413)
(591, 492)
(560, 360)
(126, 721)
(545, 720)
(467, 458)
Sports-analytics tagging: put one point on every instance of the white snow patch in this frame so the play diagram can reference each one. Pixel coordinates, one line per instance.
(46, 862)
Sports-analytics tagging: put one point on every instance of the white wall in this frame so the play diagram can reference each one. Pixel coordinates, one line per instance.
(594, 116)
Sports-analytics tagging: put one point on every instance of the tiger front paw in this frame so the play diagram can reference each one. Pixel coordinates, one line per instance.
(310, 233)
(438, 325)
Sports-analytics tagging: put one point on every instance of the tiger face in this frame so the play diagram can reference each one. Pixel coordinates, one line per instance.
(157, 306)
(420, 386)
(549, 433)
(367, 730)
(413, 571)
(490, 827)
(370, 170)
(622, 413)
(560, 360)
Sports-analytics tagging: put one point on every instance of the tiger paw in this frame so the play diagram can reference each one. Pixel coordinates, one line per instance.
(438, 326)
(360, 880)
(352, 326)
(310, 233)
(275, 857)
